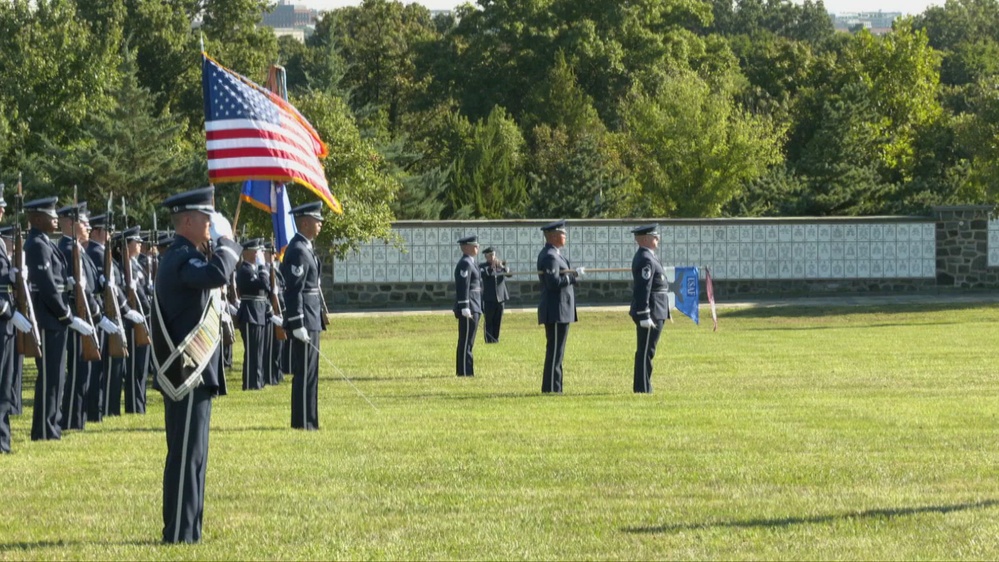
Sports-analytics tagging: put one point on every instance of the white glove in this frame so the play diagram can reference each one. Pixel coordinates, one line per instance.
(81, 326)
(103, 280)
(83, 283)
(107, 325)
(70, 281)
(21, 322)
(580, 271)
(219, 227)
(135, 317)
(276, 320)
(466, 313)
(259, 259)
(647, 323)
(301, 334)
(233, 310)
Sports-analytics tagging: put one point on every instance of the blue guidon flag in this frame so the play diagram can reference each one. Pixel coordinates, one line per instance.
(687, 291)
(272, 197)
(253, 134)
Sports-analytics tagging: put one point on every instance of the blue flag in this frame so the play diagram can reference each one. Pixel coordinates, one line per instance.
(272, 197)
(687, 291)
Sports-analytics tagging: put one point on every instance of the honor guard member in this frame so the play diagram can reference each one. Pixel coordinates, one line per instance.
(558, 302)
(186, 330)
(47, 276)
(276, 352)
(136, 364)
(304, 314)
(18, 320)
(9, 316)
(98, 389)
(75, 226)
(649, 302)
(494, 293)
(468, 303)
(253, 281)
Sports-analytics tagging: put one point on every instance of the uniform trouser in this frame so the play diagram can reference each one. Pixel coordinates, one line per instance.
(227, 355)
(286, 355)
(275, 352)
(48, 386)
(7, 354)
(93, 401)
(555, 336)
(114, 373)
(74, 394)
(466, 341)
(494, 317)
(17, 387)
(187, 458)
(134, 379)
(646, 350)
(254, 356)
(304, 358)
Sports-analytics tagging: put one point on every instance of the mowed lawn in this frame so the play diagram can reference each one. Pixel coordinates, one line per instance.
(792, 433)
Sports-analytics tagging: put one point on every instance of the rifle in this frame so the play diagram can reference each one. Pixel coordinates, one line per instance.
(140, 332)
(117, 346)
(154, 252)
(91, 345)
(28, 343)
(279, 332)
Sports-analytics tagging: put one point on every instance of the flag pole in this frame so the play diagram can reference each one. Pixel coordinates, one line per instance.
(235, 218)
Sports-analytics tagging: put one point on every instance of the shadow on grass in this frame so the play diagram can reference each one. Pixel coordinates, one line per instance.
(851, 327)
(213, 429)
(887, 513)
(25, 546)
(792, 311)
(500, 395)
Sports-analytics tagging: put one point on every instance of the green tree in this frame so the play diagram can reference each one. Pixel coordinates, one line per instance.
(693, 150)
(488, 179)
(126, 150)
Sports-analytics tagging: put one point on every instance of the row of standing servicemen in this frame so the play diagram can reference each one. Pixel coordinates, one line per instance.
(70, 391)
(481, 287)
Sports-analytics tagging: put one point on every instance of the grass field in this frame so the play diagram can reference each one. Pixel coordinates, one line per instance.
(794, 433)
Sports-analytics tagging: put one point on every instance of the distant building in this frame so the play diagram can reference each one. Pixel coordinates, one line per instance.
(877, 23)
(290, 16)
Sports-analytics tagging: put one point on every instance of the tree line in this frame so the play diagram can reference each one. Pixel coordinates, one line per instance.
(522, 109)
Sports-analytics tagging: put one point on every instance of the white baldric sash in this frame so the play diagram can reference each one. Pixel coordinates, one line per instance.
(194, 352)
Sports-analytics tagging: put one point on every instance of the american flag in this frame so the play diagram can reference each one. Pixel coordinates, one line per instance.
(253, 134)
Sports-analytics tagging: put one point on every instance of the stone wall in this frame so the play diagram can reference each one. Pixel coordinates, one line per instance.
(955, 249)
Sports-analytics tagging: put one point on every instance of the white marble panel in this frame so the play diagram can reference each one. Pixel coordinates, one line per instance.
(693, 234)
(667, 254)
(890, 232)
(889, 269)
(993, 256)
(930, 232)
(902, 250)
(771, 252)
(759, 270)
(681, 234)
(838, 251)
(745, 270)
(825, 233)
(877, 250)
(812, 270)
(617, 254)
(745, 251)
(929, 249)
(929, 268)
(430, 236)
(707, 252)
(877, 233)
(851, 269)
(589, 254)
(825, 269)
(811, 233)
(863, 269)
(798, 233)
(526, 237)
(850, 250)
(694, 254)
(720, 234)
(771, 233)
(838, 232)
(721, 252)
(732, 270)
(367, 273)
(681, 255)
(406, 273)
(707, 233)
(759, 252)
(902, 232)
(798, 251)
(381, 273)
(419, 272)
(902, 268)
(838, 269)
(784, 233)
(994, 238)
(392, 255)
(877, 269)
(602, 254)
(811, 251)
(850, 233)
(602, 234)
(668, 234)
(863, 250)
(825, 250)
(353, 273)
(864, 232)
(773, 270)
(784, 270)
(798, 270)
(750, 233)
(366, 254)
(888, 250)
(419, 254)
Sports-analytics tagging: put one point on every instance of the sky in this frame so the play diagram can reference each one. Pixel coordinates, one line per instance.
(836, 6)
